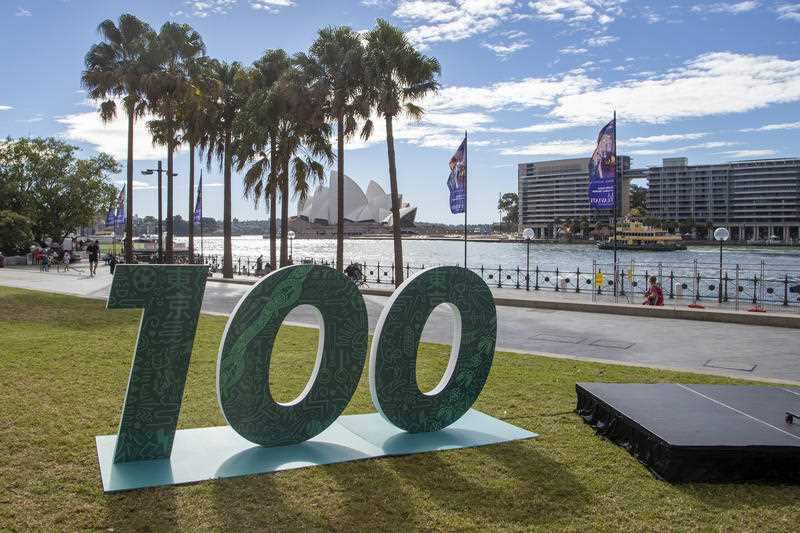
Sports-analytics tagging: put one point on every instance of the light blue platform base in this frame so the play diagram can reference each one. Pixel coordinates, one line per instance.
(219, 452)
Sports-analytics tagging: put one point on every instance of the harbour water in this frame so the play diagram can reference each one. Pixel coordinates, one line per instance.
(507, 254)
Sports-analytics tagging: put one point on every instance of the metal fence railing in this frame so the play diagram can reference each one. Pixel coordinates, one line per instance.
(737, 287)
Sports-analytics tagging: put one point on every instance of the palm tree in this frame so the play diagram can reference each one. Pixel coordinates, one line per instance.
(257, 128)
(396, 76)
(302, 136)
(229, 89)
(178, 47)
(193, 117)
(118, 68)
(337, 56)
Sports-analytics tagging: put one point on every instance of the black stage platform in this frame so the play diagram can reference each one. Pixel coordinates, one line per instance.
(700, 432)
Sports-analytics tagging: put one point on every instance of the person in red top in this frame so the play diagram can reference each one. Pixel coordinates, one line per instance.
(654, 295)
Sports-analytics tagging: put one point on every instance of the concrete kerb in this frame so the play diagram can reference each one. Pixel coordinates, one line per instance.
(707, 315)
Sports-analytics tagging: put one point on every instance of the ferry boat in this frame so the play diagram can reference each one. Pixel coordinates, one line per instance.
(634, 235)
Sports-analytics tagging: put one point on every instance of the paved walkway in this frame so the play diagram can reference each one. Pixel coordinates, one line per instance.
(729, 349)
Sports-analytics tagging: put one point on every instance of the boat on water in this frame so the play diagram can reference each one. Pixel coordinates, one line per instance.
(633, 235)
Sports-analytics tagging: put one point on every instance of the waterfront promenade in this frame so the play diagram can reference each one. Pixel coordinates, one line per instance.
(746, 351)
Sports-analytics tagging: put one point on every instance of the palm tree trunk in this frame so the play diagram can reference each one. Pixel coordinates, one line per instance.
(398, 242)
(340, 193)
(227, 258)
(273, 205)
(129, 192)
(170, 223)
(191, 201)
(285, 213)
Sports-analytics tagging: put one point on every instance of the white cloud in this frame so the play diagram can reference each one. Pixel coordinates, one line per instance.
(749, 153)
(504, 50)
(36, 118)
(137, 185)
(22, 12)
(112, 137)
(451, 20)
(789, 12)
(579, 148)
(733, 8)
(204, 8)
(711, 84)
(528, 92)
(573, 50)
(653, 139)
(681, 149)
(535, 128)
(601, 40)
(775, 127)
(578, 11)
(271, 6)
(6, 107)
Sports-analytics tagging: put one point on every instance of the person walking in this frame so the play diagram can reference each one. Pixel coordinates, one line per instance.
(94, 256)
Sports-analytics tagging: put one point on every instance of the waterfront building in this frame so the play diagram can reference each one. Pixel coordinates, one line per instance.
(757, 199)
(554, 192)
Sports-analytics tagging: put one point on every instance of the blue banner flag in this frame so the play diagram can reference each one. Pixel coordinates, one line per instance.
(457, 182)
(111, 217)
(198, 207)
(603, 169)
(121, 207)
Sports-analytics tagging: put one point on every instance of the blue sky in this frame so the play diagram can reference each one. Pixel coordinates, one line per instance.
(530, 80)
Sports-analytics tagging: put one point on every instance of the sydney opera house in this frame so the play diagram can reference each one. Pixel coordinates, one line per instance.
(370, 208)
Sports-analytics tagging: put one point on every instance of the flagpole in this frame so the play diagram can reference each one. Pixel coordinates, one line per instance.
(202, 257)
(616, 199)
(466, 198)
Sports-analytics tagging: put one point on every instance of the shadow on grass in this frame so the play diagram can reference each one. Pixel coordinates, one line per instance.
(517, 484)
(731, 496)
(139, 509)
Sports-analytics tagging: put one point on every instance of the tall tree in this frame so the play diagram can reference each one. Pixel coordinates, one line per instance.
(338, 66)
(193, 116)
(119, 68)
(302, 136)
(229, 84)
(257, 130)
(397, 75)
(178, 46)
(509, 205)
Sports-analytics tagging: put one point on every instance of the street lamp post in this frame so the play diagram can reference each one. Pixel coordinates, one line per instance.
(722, 235)
(528, 235)
(159, 171)
(291, 246)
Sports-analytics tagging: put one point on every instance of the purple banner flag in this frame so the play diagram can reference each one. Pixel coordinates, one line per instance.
(121, 206)
(603, 169)
(198, 208)
(457, 182)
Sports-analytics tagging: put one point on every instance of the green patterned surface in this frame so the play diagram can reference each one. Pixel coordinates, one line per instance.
(243, 363)
(393, 361)
(171, 296)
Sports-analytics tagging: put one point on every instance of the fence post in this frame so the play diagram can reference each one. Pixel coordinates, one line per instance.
(600, 285)
(786, 289)
(392, 278)
(378, 270)
(725, 295)
(737, 287)
(536, 285)
(671, 285)
(578, 279)
(622, 283)
(755, 289)
(527, 278)
(499, 276)
(518, 277)
(408, 270)
(557, 280)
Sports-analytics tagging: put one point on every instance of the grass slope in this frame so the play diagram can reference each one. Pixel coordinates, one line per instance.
(64, 364)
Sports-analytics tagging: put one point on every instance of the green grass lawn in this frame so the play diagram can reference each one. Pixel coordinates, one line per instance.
(64, 365)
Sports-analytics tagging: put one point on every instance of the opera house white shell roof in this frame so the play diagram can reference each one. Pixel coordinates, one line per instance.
(373, 206)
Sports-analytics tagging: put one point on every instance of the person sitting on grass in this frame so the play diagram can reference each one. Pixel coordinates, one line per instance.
(654, 294)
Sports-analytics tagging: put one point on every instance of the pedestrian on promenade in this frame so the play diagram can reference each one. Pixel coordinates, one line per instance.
(94, 256)
(654, 294)
(67, 259)
(46, 261)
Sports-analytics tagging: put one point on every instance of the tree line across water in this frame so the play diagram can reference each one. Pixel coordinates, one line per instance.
(272, 120)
